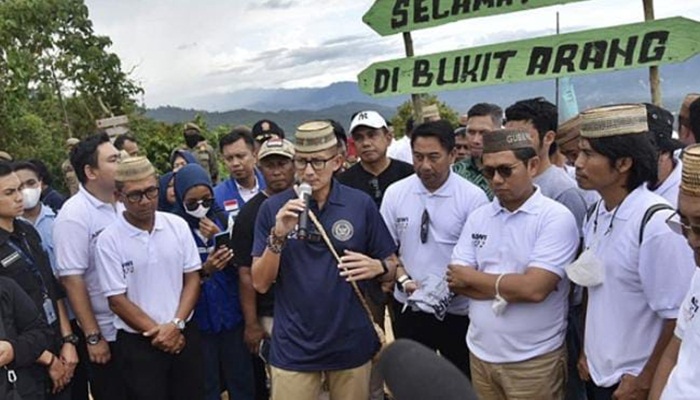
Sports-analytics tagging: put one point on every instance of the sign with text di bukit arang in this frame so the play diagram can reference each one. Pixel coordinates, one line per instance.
(600, 50)
(387, 17)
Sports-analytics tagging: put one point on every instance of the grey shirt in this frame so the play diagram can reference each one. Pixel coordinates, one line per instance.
(556, 184)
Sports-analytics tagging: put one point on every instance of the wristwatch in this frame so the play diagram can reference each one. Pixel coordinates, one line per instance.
(93, 338)
(72, 339)
(179, 324)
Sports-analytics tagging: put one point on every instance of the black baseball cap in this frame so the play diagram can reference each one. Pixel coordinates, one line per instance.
(266, 129)
(660, 123)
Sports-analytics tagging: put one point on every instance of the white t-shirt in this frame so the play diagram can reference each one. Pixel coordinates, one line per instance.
(684, 381)
(148, 267)
(671, 186)
(81, 220)
(542, 233)
(401, 150)
(448, 209)
(642, 285)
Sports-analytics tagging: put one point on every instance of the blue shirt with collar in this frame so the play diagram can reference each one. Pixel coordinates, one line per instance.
(320, 323)
(229, 198)
(44, 225)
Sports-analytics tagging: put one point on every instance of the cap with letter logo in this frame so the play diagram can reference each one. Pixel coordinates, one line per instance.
(371, 119)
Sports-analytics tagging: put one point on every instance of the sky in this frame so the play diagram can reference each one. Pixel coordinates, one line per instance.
(183, 50)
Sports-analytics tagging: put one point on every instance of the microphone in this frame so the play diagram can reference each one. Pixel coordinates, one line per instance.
(414, 372)
(304, 194)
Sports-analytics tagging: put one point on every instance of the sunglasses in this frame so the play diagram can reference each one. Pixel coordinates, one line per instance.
(504, 171)
(374, 185)
(678, 226)
(424, 225)
(150, 193)
(192, 205)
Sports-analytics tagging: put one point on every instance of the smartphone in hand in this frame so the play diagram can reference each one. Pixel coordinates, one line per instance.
(222, 239)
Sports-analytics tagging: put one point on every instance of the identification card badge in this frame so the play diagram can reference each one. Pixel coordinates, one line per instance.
(51, 316)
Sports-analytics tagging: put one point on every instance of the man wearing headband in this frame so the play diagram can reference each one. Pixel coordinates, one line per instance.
(321, 326)
(510, 261)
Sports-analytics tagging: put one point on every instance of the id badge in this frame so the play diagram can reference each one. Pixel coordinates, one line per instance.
(49, 311)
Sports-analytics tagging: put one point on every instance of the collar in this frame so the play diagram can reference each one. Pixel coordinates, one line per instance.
(45, 212)
(133, 231)
(446, 190)
(532, 205)
(255, 188)
(94, 201)
(335, 196)
(18, 230)
(673, 179)
(628, 203)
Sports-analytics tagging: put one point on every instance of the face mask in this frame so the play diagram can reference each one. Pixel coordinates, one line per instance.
(587, 270)
(199, 212)
(193, 140)
(31, 197)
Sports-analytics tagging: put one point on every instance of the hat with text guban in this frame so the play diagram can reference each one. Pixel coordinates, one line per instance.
(314, 136)
(615, 120)
(507, 139)
(690, 178)
(134, 169)
(568, 130)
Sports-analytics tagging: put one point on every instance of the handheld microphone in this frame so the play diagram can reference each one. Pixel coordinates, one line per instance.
(414, 372)
(304, 194)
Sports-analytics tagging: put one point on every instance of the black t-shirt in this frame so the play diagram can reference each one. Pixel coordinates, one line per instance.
(242, 246)
(375, 186)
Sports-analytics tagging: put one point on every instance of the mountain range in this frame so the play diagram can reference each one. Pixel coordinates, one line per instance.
(290, 107)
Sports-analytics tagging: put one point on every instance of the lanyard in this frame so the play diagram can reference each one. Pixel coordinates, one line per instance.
(31, 263)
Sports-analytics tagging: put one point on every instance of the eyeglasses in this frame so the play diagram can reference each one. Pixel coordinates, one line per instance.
(150, 193)
(193, 204)
(316, 163)
(676, 224)
(424, 225)
(504, 171)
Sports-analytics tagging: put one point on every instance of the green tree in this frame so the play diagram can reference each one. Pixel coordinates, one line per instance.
(405, 111)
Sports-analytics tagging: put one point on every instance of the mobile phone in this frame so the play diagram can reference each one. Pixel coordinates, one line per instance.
(222, 239)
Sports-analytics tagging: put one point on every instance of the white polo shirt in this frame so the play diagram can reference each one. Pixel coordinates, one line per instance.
(642, 286)
(448, 208)
(671, 186)
(147, 266)
(684, 381)
(81, 220)
(542, 233)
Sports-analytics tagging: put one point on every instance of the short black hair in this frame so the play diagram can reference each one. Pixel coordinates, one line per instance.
(637, 147)
(339, 132)
(119, 141)
(5, 168)
(694, 116)
(26, 165)
(44, 173)
(409, 126)
(541, 113)
(85, 153)
(487, 110)
(442, 130)
(461, 132)
(236, 134)
(525, 154)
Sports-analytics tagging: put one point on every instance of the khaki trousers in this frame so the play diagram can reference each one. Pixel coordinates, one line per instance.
(345, 384)
(541, 378)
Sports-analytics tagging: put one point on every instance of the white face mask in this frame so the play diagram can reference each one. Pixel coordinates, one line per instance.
(31, 197)
(587, 270)
(199, 212)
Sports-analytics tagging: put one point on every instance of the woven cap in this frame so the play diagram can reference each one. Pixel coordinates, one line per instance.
(507, 139)
(568, 130)
(614, 120)
(314, 136)
(72, 141)
(690, 178)
(431, 111)
(134, 169)
(685, 106)
(276, 146)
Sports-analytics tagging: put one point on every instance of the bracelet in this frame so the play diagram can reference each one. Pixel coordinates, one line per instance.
(498, 282)
(403, 278)
(275, 243)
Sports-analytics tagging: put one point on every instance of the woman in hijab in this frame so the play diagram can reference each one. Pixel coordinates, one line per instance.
(166, 194)
(218, 311)
(179, 158)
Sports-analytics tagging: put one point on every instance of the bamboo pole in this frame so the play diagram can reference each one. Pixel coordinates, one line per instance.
(654, 80)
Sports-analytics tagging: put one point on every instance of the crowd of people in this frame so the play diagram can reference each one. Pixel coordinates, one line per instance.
(544, 260)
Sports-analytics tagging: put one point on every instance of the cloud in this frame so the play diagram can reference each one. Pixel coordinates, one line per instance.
(273, 4)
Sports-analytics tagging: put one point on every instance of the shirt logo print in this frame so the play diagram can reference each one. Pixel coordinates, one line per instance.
(479, 240)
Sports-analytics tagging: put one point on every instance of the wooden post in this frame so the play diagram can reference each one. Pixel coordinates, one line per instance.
(415, 98)
(654, 80)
